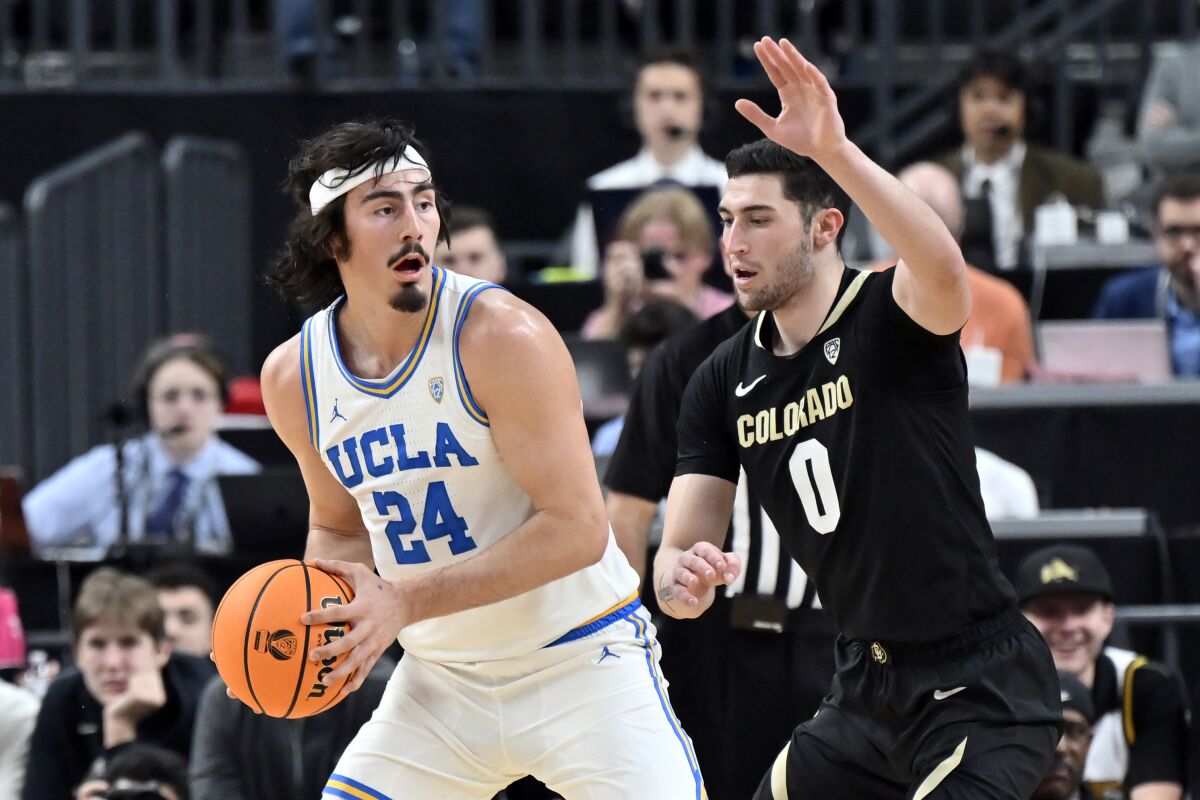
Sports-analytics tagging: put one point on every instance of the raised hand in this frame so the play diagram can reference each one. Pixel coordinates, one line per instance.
(809, 122)
(375, 617)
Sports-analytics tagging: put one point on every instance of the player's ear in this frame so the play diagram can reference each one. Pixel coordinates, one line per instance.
(826, 224)
(338, 247)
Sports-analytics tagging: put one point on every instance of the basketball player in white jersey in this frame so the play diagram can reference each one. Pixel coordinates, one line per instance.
(438, 425)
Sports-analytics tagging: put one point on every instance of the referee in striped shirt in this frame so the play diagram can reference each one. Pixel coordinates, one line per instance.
(762, 657)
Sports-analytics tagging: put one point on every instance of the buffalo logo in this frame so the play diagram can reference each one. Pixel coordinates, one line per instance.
(1059, 570)
(437, 388)
(832, 348)
(280, 644)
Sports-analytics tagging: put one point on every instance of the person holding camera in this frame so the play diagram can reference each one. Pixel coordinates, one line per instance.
(663, 246)
(667, 103)
(142, 772)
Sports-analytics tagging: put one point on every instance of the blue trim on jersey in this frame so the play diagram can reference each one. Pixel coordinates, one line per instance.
(354, 790)
(685, 742)
(388, 387)
(460, 377)
(598, 624)
(308, 384)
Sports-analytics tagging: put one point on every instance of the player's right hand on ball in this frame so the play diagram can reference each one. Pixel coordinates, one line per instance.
(692, 582)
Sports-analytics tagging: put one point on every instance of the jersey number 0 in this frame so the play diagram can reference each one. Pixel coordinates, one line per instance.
(813, 478)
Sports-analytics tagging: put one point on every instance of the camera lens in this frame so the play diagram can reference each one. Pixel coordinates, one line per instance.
(653, 265)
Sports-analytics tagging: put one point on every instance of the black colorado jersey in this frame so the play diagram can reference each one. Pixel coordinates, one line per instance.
(859, 446)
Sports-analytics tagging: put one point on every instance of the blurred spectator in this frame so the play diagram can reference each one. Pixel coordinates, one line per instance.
(129, 687)
(998, 167)
(668, 111)
(1169, 122)
(240, 755)
(675, 244)
(18, 713)
(141, 772)
(1139, 744)
(471, 247)
(159, 488)
(653, 323)
(1168, 292)
(999, 319)
(1063, 781)
(188, 599)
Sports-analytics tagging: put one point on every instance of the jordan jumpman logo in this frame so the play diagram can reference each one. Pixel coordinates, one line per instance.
(337, 414)
(605, 653)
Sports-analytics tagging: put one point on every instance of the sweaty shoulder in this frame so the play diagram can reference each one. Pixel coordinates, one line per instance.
(503, 337)
(498, 321)
(281, 389)
(281, 370)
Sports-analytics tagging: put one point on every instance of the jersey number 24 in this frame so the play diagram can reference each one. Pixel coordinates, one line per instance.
(439, 520)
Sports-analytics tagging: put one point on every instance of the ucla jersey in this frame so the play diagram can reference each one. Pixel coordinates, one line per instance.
(416, 452)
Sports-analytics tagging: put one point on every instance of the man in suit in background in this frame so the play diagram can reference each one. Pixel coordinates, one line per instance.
(995, 163)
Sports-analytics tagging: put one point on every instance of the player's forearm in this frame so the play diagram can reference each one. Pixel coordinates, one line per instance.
(914, 232)
(544, 548)
(339, 546)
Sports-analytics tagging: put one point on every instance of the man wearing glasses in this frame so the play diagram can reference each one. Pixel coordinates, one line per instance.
(1169, 292)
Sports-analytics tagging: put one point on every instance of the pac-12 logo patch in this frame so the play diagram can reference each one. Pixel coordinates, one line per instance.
(832, 348)
(437, 388)
(280, 644)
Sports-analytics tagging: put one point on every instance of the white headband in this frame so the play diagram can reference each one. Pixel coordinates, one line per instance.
(337, 181)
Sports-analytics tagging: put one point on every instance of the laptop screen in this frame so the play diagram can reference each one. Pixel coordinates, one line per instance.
(268, 513)
(1130, 350)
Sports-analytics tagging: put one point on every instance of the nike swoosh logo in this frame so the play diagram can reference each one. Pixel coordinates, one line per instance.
(938, 694)
(742, 391)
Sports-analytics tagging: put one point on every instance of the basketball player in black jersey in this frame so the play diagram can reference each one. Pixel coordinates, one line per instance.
(845, 401)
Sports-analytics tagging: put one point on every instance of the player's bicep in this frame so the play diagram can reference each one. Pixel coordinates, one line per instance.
(330, 505)
(522, 375)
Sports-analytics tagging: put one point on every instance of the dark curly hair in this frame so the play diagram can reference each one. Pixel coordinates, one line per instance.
(305, 272)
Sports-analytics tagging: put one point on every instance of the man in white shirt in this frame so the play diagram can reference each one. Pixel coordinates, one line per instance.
(668, 110)
(161, 487)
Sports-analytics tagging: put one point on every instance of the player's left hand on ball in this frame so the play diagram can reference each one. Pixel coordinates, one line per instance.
(699, 570)
(375, 617)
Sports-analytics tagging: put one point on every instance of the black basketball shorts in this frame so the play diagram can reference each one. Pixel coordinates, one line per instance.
(975, 716)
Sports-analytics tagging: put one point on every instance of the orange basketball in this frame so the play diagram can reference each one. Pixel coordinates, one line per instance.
(261, 647)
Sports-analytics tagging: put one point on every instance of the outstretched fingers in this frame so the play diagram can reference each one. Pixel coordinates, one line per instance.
(809, 70)
(774, 63)
(755, 115)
